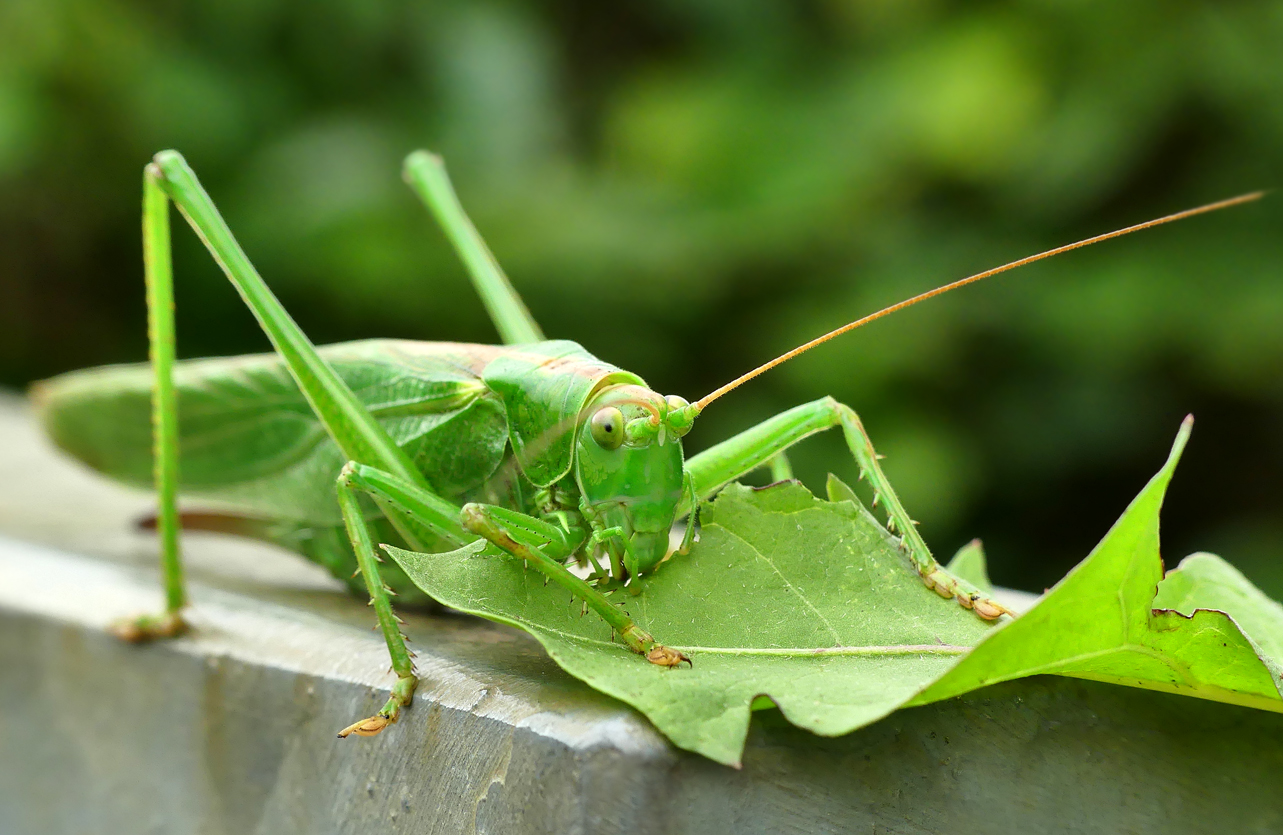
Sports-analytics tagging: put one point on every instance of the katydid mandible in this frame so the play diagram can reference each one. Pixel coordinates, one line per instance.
(552, 455)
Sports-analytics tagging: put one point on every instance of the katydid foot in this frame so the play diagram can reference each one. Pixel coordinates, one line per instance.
(663, 656)
(640, 642)
(143, 628)
(946, 585)
(402, 695)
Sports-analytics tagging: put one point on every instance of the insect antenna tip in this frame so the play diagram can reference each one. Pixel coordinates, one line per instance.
(700, 404)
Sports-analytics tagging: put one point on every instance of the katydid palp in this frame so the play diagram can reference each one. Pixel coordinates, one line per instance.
(546, 452)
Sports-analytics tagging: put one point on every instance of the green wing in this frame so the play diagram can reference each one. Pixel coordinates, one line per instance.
(250, 443)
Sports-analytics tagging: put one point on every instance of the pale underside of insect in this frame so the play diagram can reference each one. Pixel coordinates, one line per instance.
(553, 456)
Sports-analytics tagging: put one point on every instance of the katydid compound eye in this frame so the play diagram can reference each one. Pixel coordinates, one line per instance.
(608, 428)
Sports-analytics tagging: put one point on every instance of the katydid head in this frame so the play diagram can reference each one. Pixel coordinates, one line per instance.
(628, 465)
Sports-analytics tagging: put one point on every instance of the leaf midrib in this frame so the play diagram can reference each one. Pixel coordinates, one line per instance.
(870, 650)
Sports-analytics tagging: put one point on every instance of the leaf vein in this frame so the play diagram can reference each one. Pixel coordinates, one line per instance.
(837, 639)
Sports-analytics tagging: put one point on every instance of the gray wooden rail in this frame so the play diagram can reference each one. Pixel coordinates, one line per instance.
(231, 730)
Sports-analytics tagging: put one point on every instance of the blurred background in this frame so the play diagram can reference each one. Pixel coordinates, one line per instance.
(689, 188)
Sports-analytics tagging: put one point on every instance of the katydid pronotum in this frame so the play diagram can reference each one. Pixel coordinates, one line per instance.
(552, 455)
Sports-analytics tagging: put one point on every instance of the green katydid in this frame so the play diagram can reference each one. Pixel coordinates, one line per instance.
(550, 454)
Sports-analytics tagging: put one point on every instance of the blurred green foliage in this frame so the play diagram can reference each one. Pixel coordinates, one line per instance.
(689, 188)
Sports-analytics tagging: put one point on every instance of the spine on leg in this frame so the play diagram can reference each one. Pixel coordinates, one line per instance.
(932, 573)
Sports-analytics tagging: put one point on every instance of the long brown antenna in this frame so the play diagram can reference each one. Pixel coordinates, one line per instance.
(887, 311)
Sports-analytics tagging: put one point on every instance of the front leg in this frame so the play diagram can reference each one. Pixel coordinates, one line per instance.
(761, 444)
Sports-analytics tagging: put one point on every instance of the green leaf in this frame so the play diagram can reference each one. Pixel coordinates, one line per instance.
(969, 564)
(1205, 581)
(808, 602)
(1104, 622)
(811, 604)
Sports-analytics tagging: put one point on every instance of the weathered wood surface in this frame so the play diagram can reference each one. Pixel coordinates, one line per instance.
(231, 730)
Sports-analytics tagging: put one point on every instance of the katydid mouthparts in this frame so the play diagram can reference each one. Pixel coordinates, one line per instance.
(535, 447)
